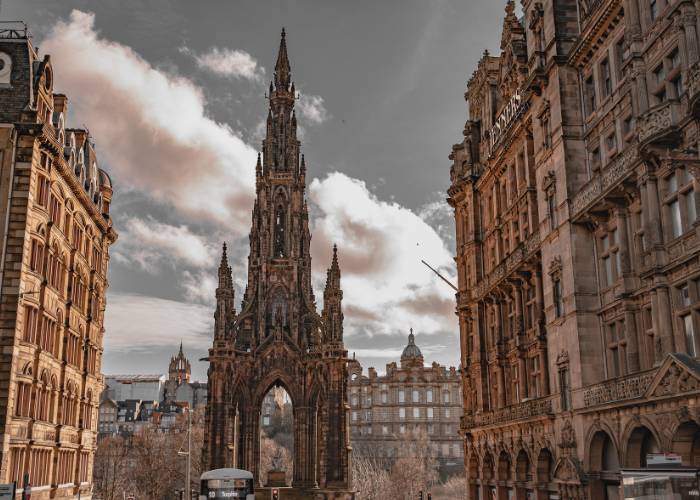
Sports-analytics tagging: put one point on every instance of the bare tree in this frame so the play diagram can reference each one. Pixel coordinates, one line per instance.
(415, 469)
(371, 480)
(111, 460)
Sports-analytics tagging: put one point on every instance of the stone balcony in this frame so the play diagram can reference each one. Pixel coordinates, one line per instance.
(43, 431)
(595, 190)
(527, 409)
(19, 429)
(660, 123)
(621, 389)
(69, 435)
(523, 251)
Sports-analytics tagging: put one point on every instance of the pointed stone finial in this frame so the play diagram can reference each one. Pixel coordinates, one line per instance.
(411, 338)
(510, 8)
(181, 354)
(258, 167)
(334, 264)
(282, 69)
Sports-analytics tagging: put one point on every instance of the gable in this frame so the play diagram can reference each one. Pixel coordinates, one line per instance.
(679, 373)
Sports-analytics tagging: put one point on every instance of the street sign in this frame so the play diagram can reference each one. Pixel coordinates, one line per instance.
(663, 459)
(7, 491)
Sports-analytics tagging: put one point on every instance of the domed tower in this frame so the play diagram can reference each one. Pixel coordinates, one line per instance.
(411, 355)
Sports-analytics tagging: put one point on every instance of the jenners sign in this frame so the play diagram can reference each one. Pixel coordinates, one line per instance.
(512, 111)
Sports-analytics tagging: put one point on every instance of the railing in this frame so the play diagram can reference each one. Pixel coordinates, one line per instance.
(658, 119)
(14, 29)
(527, 409)
(631, 387)
(18, 430)
(601, 183)
(69, 435)
(516, 257)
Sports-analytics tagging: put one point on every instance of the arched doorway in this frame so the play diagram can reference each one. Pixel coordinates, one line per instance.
(473, 476)
(604, 467)
(641, 443)
(488, 477)
(276, 437)
(505, 480)
(545, 464)
(686, 443)
(523, 475)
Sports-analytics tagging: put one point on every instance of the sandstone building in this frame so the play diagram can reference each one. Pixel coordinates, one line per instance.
(56, 232)
(278, 337)
(386, 410)
(574, 193)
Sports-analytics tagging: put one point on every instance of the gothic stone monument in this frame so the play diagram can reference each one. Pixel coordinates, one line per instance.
(278, 338)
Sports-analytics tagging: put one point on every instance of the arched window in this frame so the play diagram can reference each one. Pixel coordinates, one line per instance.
(277, 310)
(280, 242)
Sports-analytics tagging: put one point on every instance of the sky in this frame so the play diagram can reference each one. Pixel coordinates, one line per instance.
(173, 93)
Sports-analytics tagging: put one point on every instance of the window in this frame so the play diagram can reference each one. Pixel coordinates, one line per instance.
(416, 412)
(611, 143)
(429, 396)
(402, 413)
(619, 57)
(530, 300)
(589, 91)
(653, 9)
(565, 388)
(402, 429)
(660, 81)
(610, 257)
(384, 397)
(595, 159)
(446, 397)
(557, 297)
(689, 330)
(616, 348)
(606, 77)
(546, 125)
(515, 383)
(42, 191)
(385, 430)
(431, 429)
(416, 396)
(535, 374)
(628, 125)
(430, 413)
(447, 413)
(551, 210)
(680, 203)
(401, 396)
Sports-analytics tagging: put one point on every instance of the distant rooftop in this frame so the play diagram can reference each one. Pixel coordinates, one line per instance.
(138, 377)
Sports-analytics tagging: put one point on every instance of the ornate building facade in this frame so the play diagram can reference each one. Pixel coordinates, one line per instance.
(56, 233)
(386, 410)
(577, 247)
(278, 337)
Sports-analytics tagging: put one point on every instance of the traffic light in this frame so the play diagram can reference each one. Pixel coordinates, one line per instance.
(275, 494)
(430, 497)
(420, 495)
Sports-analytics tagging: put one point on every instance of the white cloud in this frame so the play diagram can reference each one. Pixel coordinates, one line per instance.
(228, 62)
(137, 322)
(150, 244)
(313, 109)
(386, 287)
(201, 287)
(151, 127)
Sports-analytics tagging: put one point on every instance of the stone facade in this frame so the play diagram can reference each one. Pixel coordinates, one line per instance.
(577, 247)
(178, 388)
(386, 409)
(278, 337)
(56, 232)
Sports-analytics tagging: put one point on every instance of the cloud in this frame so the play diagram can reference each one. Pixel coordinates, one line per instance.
(151, 127)
(150, 244)
(228, 62)
(381, 245)
(200, 287)
(313, 109)
(137, 322)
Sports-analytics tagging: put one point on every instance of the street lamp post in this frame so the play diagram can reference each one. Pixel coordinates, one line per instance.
(187, 490)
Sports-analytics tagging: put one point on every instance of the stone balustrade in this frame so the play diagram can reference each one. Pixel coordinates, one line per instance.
(657, 120)
(69, 435)
(621, 389)
(527, 409)
(599, 185)
(514, 259)
(43, 431)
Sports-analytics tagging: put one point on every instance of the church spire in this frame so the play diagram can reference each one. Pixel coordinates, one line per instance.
(283, 72)
(225, 307)
(332, 303)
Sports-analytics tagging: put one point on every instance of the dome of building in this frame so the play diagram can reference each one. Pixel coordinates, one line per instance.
(411, 351)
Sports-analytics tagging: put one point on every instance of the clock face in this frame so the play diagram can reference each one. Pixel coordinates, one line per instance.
(5, 67)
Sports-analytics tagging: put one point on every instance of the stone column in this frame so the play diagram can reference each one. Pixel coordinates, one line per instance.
(665, 321)
(632, 16)
(632, 342)
(690, 20)
(623, 241)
